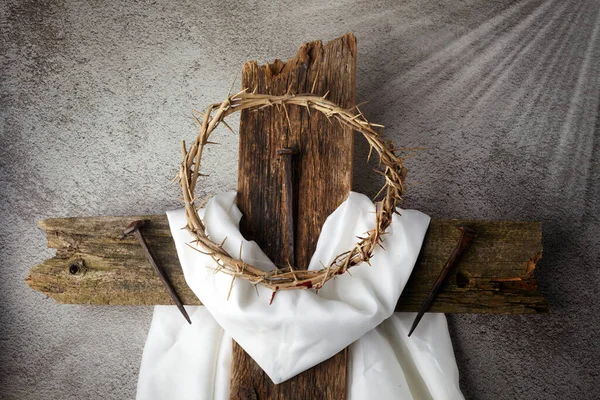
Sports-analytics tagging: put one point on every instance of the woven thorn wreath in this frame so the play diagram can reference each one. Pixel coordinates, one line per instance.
(390, 166)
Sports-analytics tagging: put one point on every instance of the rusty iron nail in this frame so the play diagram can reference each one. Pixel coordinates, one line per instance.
(287, 153)
(134, 229)
(466, 235)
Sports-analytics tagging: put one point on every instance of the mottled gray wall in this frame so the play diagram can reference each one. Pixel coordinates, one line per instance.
(95, 97)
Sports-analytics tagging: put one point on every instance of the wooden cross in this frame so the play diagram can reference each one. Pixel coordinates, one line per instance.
(93, 265)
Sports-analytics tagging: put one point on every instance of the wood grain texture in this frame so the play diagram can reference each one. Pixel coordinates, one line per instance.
(326, 380)
(492, 277)
(323, 178)
(323, 165)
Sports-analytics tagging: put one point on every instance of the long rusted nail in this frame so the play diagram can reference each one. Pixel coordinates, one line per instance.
(287, 154)
(466, 235)
(134, 229)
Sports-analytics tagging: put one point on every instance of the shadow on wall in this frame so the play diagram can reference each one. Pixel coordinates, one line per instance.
(501, 96)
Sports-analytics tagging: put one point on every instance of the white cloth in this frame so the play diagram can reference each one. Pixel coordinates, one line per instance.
(193, 362)
(301, 328)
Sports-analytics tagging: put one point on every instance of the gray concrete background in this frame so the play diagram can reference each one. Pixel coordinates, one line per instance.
(95, 97)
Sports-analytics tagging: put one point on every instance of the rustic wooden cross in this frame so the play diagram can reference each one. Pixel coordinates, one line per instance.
(94, 266)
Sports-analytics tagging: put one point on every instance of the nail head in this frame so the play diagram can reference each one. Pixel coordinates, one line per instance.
(286, 151)
(133, 226)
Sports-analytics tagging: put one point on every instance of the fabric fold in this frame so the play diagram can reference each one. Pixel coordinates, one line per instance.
(193, 362)
(286, 337)
(301, 328)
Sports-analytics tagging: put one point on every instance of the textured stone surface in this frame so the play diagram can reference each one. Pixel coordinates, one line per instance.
(95, 97)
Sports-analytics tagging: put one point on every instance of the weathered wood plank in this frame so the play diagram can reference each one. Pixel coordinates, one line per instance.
(490, 278)
(319, 382)
(323, 165)
(323, 171)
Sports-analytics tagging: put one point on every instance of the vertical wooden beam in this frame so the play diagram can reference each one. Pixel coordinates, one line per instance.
(323, 170)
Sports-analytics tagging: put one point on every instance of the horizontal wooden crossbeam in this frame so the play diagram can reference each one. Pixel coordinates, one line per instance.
(93, 265)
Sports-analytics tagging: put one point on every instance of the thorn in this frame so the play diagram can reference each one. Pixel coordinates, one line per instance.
(239, 93)
(232, 85)
(360, 113)
(308, 108)
(227, 126)
(196, 118)
(223, 242)
(378, 194)
(362, 104)
(230, 287)
(198, 250)
(370, 154)
(219, 268)
(377, 171)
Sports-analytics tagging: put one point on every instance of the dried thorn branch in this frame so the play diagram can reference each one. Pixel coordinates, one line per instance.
(288, 278)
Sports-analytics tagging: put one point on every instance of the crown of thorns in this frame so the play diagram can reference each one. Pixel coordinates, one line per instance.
(390, 166)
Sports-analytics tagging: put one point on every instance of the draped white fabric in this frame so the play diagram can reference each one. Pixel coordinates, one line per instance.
(301, 328)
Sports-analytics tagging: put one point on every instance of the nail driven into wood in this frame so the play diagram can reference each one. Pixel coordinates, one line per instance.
(134, 229)
(287, 154)
(464, 240)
